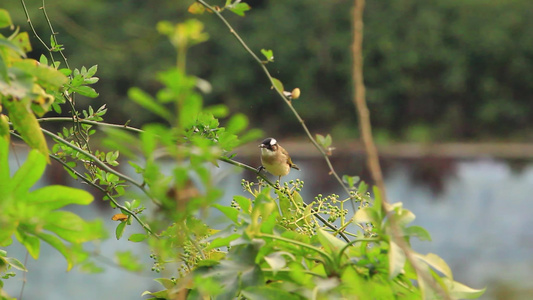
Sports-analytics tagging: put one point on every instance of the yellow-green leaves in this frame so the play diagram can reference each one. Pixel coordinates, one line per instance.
(277, 85)
(148, 102)
(269, 55)
(5, 19)
(33, 215)
(26, 124)
(26, 86)
(183, 35)
(237, 7)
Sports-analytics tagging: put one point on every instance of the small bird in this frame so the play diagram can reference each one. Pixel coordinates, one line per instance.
(275, 159)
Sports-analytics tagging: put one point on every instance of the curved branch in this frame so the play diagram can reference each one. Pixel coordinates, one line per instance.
(96, 123)
(295, 113)
(95, 160)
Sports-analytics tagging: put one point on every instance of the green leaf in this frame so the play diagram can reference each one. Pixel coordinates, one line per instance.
(377, 201)
(4, 77)
(325, 142)
(237, 123)
(56, 196)
(436, 262)
(277, 261)
(229, 212)
(26, 124)
(29, 173)
(244, 203)
(269, 54)
(239, 8)
(91, 268)
(460, 291)
(129, 261)
(278, 85)
(190, 109)
(419, 232)
(267, 293)
(43, 60)
(22, 40)
(218, 111)
(396, 259)
(58, 244)
(43, 73)
(31, 243)
(5, 18)
(196, 8)
(85, 91)
(223, 241)
(15, 263)
(350, 180)
(4, 152)
(367, 215)
(120, 230)
(165, 282)
(72, 228)
(148, 102)
(329, 242)
(92, 70)
(137, 237)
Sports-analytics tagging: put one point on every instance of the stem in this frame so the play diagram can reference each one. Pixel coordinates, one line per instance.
(67, 119)
(370, 147)
(95, 160)
(295, 242)
(31, 25)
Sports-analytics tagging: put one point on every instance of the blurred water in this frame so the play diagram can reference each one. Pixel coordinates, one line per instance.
(480, 225)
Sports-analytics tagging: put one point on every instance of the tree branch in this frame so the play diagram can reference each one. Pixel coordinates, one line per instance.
(280, 93)
(371, 150)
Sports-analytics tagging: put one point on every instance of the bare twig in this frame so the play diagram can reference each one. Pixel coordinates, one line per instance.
(96, 123)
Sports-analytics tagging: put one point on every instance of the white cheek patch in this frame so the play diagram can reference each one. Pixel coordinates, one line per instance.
(273, 142)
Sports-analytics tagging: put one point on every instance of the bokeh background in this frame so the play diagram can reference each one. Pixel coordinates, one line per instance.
(441, 75)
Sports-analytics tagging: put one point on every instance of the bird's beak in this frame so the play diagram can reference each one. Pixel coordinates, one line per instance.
(261, 146)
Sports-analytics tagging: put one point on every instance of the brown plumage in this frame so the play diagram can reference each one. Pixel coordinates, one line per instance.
(275, 159)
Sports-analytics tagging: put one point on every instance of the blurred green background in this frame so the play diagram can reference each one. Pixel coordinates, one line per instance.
(435, 71)
(440, 70)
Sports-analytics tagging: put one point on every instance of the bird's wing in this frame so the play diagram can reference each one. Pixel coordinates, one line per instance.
(289, 161)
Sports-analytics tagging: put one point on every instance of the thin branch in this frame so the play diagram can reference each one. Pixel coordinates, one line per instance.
(86, 180)
(28, 19)
(359, 99)
(371, 150)
(95, 160)
(96, 123)
(295, 113)
(54, 34)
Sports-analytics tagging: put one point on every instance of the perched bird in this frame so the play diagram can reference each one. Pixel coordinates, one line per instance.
(275, 159)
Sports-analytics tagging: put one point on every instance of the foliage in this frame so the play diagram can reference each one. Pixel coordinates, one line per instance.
(276, 244)
(458, 69)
